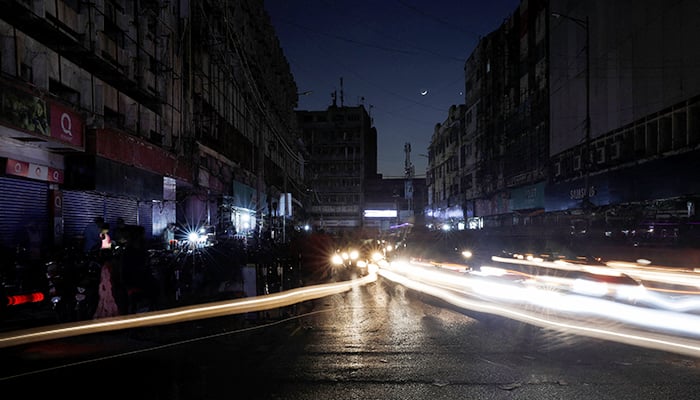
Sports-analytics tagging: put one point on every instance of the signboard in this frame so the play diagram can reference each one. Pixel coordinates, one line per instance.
(66, 125)
(380, 214)
(33, 171)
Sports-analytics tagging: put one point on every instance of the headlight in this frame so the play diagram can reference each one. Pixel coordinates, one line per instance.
(336, 259)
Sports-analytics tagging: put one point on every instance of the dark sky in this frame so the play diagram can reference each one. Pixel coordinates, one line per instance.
(402, 59)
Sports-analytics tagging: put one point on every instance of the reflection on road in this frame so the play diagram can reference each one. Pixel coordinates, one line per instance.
(209, 310)
(602, 301)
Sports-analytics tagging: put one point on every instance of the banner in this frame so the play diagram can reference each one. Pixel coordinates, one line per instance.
(33, 171)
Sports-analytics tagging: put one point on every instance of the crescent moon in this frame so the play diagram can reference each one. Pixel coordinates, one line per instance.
(423, 93)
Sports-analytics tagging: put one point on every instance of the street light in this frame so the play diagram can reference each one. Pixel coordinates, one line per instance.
(583, 23)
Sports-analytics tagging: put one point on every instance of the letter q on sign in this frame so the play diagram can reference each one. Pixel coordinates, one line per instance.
(66, 124)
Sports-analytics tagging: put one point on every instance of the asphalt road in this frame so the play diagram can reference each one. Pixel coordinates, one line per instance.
(379, 341)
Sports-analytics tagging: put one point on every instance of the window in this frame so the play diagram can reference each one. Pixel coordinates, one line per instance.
(577, 163)
(111, 19)
(26, 73)
(600, 155)
(64, 92)
(615, 151)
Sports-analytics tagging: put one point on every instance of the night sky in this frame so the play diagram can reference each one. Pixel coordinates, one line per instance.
(402, 59)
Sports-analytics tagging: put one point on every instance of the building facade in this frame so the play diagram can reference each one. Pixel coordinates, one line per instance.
(580, 116)
(155, 112)
(341, 144)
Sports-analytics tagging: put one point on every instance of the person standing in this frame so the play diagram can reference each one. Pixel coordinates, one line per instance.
(91, 235)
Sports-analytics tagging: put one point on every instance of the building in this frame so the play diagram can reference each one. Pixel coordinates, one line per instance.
(581, 116)
(341, 144)
(241, 97)
(625, 114)
(151, 111)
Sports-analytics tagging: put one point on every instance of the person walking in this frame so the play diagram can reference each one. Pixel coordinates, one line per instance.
(106, 304)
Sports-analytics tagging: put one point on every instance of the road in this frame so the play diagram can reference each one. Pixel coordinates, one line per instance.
(377, 341)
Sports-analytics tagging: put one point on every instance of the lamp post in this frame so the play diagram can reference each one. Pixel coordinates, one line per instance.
(583, 23)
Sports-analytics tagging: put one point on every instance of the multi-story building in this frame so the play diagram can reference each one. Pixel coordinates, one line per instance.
(445, 200)
(342, 150)
(480, 167)
(625, 112)
(151, 111)
(241, 97)
(585, 114)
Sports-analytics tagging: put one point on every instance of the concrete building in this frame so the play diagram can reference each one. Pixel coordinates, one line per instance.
(492, 150)
(634, 155)
(341, 144)
(151, 111)
(581, 117)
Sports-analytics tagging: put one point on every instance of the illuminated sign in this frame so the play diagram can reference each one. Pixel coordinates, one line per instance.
(380, 213)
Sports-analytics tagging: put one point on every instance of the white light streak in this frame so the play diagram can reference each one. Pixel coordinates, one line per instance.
(181, 314)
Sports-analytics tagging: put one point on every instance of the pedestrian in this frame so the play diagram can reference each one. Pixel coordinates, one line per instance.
(106, 304)
(105, 238)
(91, 235)
(119, 236)
(169, 237)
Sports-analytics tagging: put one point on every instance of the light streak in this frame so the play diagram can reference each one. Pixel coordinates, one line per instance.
(657, 341)
(181, 314)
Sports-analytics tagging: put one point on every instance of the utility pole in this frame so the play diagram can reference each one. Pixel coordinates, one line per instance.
(409, 174)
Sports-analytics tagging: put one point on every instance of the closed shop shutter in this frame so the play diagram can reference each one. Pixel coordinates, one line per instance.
(79, 208)
(22, 202)
(120, 207)
(146, 217)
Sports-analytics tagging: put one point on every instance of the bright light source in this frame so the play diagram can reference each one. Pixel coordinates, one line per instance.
(445, 227)
(336, 259)
(467, 254)
(193, 237)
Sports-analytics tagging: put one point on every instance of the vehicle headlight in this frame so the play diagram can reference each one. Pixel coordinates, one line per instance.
(337, 259)
(591, 288)
(631, 292)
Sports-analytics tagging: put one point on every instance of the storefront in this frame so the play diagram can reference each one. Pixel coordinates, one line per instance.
(34, 135)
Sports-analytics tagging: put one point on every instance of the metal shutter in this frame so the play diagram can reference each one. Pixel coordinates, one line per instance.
(22, 202)
(79, 208)
(116, 207)
(146, 217)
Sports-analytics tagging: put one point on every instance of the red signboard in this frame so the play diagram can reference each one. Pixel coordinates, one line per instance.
(33, 171)
(66, 125)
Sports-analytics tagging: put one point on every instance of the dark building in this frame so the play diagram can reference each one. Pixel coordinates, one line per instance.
(341, 144)
(151, 111)
(578, 114)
